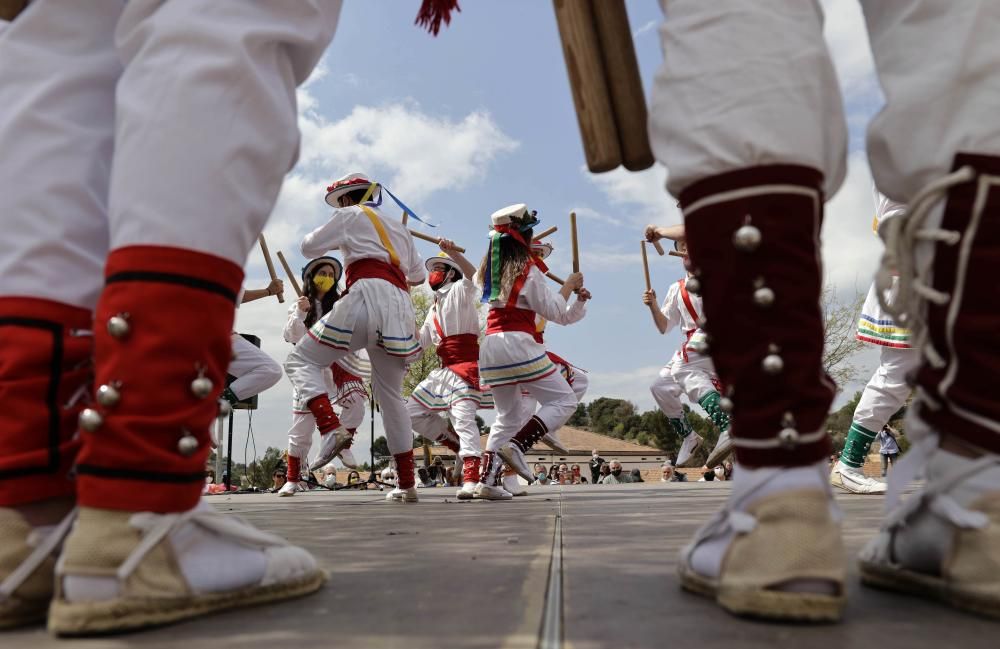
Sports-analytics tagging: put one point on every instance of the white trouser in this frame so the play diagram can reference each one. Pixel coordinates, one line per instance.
(887, 390)
(579, 386)
(432, 425)
(254, 370)
(307, 361)
(751, 83)
(300, 435)
(552, 392)
(667, 394)
(148, 122)
(694, 376)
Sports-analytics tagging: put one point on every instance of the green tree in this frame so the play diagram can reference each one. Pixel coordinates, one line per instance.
(840, 343)
(382, 455)
(605, 414)
(579, 418)
(260, 471)
(428, 360)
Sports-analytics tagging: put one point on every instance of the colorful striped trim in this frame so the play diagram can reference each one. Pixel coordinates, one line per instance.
(439, 402)
(330, 342)
(884, 343)
(524, 372)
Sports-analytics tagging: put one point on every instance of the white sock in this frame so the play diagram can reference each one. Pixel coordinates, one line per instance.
(749, 486)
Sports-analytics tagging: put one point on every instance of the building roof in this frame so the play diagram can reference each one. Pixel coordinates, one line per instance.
(582, 442)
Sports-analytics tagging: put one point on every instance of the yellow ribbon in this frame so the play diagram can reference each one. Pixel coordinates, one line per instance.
(382, 234)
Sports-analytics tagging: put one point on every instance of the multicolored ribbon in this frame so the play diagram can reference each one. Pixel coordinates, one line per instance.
(492, 281)
(411, 213)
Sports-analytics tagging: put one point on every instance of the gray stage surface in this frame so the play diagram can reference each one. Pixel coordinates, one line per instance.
(444, 573)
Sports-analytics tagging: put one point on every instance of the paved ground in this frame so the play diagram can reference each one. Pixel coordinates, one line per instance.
(444, 573)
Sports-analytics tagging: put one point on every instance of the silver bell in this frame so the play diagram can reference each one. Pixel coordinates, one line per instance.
(773, 364)
(763, 297)
(108, 395)
(201, 387)
(726, 404)
(224, 408)
(746, 238)
(788, 437)
(90, 420)
(118, 325)
(187, 445)
(693, 285)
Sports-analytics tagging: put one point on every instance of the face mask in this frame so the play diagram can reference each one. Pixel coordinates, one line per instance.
(542, 475)
(616, 472)
(323, 283)
(436, 279)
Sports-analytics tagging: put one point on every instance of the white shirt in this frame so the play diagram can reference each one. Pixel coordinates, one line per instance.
(574, 314)
(676, 312)
(455, 307)
(350, 231)
(295, 326)
(538, 297)
(885, 208)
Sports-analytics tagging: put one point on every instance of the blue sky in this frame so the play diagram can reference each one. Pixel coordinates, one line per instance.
(482, 117)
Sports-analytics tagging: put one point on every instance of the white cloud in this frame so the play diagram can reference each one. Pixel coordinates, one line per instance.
(847, 39)
(649, 26)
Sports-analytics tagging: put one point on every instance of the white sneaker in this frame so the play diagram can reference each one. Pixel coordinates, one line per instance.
(514, 486)
(722, 450)
(401, 495)
(514, 458)
(348, 459)
(331, 445)
(467, 491)
(122, 570)
(942, 542)
(690, 444)
(853, 481)
(553, 442)
(486, 492)
(291, 488)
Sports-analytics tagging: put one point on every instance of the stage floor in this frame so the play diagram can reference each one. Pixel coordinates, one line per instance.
(445, 573)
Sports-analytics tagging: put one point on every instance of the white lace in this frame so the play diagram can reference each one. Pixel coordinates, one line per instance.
(42, 551)
(156, 527)
(902, 234)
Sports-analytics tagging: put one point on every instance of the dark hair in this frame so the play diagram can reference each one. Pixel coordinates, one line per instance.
(356, 195)
(709, 475)
(513, 258)
(328, 300)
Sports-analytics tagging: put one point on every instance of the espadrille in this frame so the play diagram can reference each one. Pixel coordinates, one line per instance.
(782, 538)
(121, 571)
(27, 565)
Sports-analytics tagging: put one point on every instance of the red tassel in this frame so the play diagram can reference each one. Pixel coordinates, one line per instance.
(432, 12)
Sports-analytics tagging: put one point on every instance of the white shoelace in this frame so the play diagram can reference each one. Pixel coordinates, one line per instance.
(42, 551)
(157, 527)
(902, 234)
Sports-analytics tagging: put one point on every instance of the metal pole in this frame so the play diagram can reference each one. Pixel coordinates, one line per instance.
(229, 455)
(219, 450)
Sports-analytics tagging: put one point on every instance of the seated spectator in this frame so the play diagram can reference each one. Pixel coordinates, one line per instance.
(729, 469)
(707, 476)
(603, 472)
(329, 476)
(277, 479)
(577, 477)
(424, 478)
(388, 476)
(554, 473)
(720, 473)
(541, 475)
(615, 475)
(670, 474)
(565, 477)
(437, 471)
(636, 475)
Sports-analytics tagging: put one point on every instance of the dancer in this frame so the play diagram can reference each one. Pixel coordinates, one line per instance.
(452, 326)
(690, 370)
(254, 370)
(344, 379)
(376, 314)
(509, 358)
(751, 180)
(144, 144)
(887, 390)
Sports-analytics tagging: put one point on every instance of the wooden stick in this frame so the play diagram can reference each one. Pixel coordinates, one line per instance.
(645, 266)
(659, 248)
(585, 68)
(270, 264)
(674, 253)
(406, 217)
(621, 71)
(291, 275)
(9, 9)
(576, 247)
(546, 233)
(426, 237)
(555, 278)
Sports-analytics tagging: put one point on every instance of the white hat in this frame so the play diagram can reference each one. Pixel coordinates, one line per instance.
(541, 249)
(313, 264)
(442, 258)
(503, 216)
(349, 183)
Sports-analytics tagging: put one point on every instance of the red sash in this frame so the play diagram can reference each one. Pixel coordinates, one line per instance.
(460, 354)
(375, 269)
(509, 317)
(686, 298)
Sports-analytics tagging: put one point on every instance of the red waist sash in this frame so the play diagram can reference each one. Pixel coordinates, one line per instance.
(375, 269)
(510, 319)
(460, 354)
(342, 376)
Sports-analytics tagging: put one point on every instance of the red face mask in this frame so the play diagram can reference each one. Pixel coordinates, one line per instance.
(436, 279)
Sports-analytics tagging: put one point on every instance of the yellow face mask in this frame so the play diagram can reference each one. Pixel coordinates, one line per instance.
(323, 283)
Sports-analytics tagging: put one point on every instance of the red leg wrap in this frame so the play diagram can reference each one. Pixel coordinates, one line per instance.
(959, 398)
(294, 473)
(761, 301)
(404, 470)
(45, 365)
(147, 451)
(322, 411)
(470, 469)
